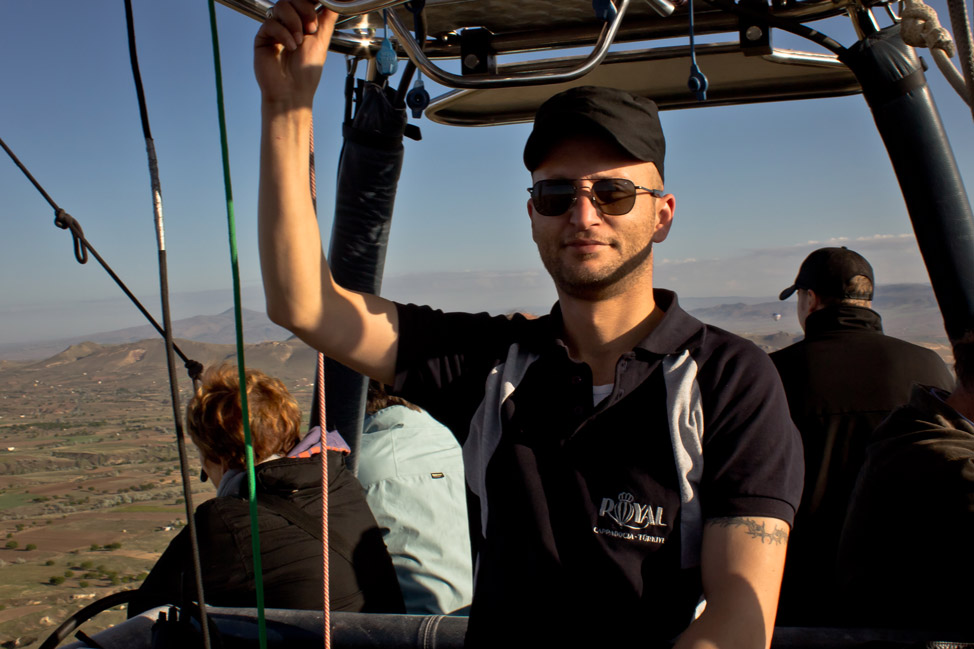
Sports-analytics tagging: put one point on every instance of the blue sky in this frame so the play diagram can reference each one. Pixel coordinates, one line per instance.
(757, 186)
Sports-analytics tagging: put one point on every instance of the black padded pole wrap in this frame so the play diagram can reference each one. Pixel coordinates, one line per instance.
(368, 176)
(894, 86)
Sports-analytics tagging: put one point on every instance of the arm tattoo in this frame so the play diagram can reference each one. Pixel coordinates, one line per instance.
(755, 529)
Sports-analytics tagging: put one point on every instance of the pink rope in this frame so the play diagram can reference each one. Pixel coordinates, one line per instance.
(324, 499)
(322, 423)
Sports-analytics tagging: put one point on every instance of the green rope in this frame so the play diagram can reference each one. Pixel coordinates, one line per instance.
(238, 321)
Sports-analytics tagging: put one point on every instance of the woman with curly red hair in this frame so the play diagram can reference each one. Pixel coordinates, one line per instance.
(288, 484)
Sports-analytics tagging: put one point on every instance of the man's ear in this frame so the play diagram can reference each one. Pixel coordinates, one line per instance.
(814, 302)
(665, 207)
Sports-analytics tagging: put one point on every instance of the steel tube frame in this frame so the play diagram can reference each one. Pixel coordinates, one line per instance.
(356, 7)
(451, 80)
(707, 21)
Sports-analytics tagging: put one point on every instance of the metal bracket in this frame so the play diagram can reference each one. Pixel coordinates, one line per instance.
(442, 77)
(476, 54)
(754, 34)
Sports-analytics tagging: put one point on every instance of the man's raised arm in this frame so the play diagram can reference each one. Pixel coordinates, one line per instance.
(355, 329)
(742, 561)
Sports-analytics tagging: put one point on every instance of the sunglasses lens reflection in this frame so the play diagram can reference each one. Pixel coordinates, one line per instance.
(553, 197)
(614, 196)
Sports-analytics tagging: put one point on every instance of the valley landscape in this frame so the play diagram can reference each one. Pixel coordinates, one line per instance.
(90, 490)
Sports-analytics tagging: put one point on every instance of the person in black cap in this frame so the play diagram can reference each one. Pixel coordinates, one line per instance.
(829, 276)
(625, 460)
(842, 380)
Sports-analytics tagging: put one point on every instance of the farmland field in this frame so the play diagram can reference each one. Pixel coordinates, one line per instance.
(90, 491)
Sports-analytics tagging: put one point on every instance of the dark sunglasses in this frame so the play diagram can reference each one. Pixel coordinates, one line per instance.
(612, 196)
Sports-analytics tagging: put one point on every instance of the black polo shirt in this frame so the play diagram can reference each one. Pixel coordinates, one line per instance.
(591, 516)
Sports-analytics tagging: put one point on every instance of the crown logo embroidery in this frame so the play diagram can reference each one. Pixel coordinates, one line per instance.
(626, 512)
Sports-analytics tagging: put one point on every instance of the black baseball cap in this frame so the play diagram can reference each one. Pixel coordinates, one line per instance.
(629, 121)
(828, 271)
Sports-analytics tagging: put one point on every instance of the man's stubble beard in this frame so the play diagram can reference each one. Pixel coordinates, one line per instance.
(597, 284)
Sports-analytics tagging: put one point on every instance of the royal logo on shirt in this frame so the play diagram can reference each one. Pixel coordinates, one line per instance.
(626, 512)
(628, 518)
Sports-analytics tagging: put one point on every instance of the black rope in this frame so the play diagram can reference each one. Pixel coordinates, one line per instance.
(82, 248)
(29, 176)
(67, 222)
(170, 344)
(136, 73)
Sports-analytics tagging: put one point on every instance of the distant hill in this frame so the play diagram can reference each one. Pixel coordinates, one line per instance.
(909, 311)
(143, 363)
(218, 328)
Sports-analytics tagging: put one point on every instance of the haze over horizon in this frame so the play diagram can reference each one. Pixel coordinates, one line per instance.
(757, 274)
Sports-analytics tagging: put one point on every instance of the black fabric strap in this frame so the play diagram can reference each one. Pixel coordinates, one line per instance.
(895, 89)
(413, 133)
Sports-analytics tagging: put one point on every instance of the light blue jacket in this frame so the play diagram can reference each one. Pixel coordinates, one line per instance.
(412, 470)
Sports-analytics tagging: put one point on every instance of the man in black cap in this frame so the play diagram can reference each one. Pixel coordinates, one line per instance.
(625, 459)
(842, 380)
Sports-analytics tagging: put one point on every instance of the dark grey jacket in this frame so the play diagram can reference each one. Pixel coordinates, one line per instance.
(361, 573)
(906, 557)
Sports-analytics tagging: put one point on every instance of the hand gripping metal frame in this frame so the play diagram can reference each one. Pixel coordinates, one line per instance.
(257, 9)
